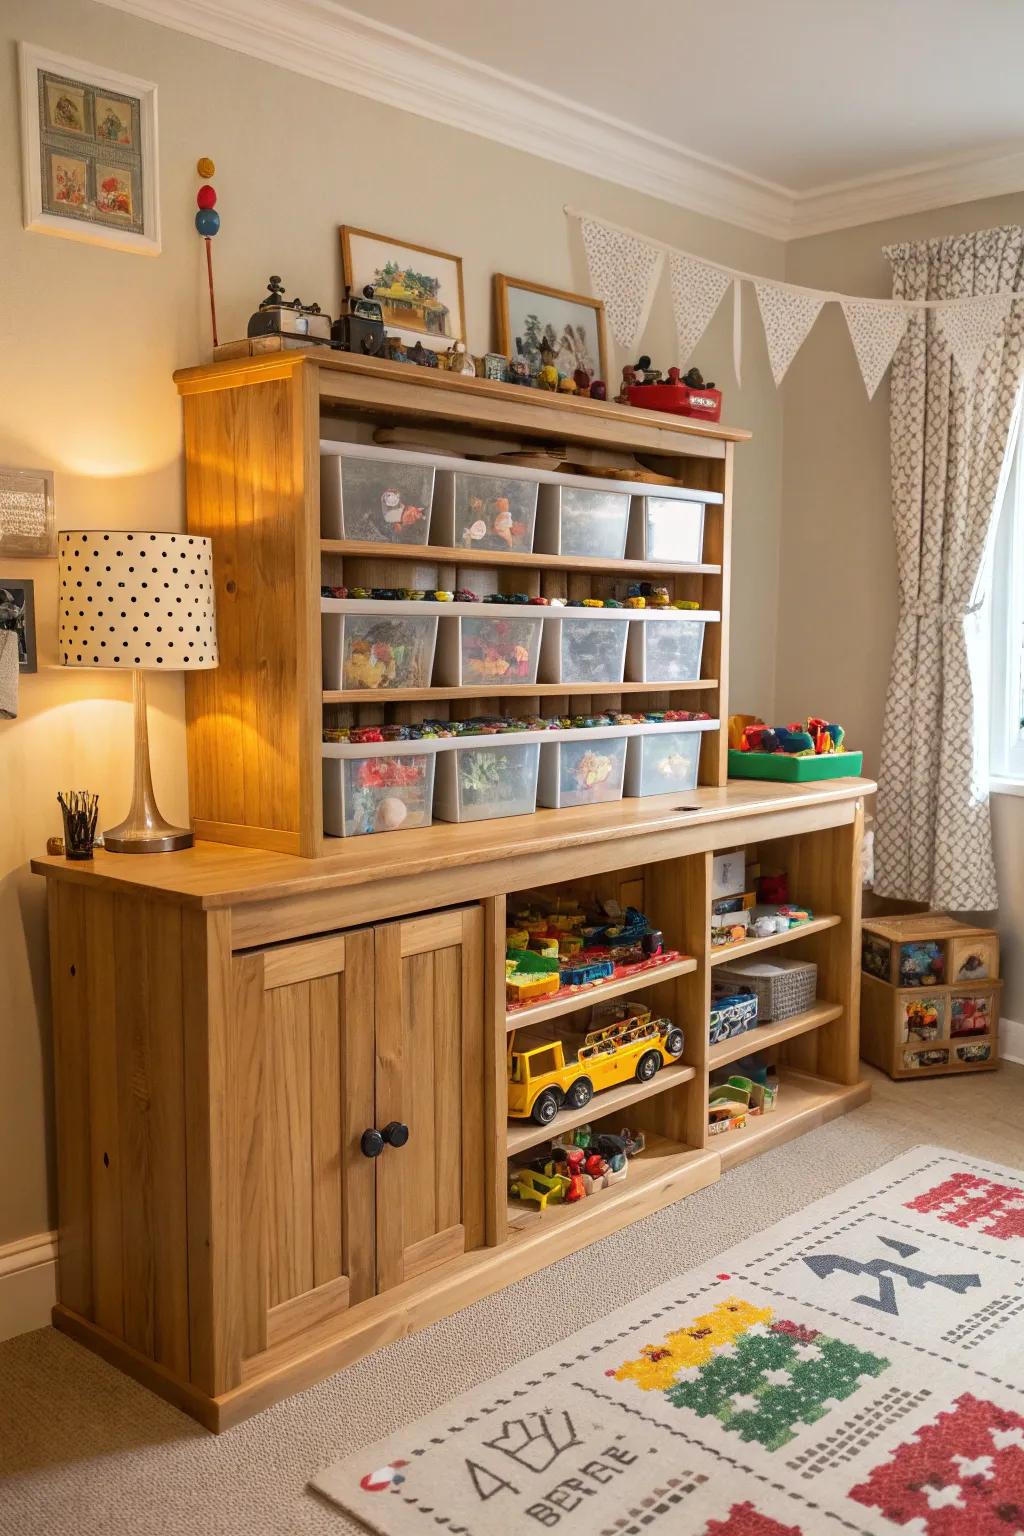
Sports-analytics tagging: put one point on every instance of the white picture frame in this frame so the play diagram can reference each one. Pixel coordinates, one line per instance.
(68, 150)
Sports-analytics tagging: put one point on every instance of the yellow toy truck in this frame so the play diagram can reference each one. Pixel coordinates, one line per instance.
(541, 1080)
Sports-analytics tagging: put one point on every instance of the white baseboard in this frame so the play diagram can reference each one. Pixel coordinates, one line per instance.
(1011, 1040)
(28, 1283)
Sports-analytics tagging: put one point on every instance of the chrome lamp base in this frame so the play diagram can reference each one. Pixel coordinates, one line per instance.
(144, 830)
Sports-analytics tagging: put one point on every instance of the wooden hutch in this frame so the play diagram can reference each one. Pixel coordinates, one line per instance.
(230, 1019)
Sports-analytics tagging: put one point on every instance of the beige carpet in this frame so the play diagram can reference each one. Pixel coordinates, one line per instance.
(86, 1452)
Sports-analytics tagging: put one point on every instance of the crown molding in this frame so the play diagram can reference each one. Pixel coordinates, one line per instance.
(330, 43)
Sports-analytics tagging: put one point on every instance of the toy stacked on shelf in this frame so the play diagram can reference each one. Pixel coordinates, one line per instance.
(575, 1166)
(748, 1088)
(930, 993)
(810, 749)
(748, 905)
(579, 948)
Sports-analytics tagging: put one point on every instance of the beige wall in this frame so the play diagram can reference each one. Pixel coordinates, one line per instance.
(88, 341)
(837, 591)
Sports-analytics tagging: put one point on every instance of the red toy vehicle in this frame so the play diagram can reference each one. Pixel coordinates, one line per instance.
(680, 397)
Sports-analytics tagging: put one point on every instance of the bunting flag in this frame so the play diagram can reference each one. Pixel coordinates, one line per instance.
(625, 267)
(876, 330)
(624, 272)
(697, 291)
(968, 328)
(788, 314)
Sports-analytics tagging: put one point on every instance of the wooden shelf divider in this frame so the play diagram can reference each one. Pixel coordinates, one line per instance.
(753, 946)
(509, 690)
(539, 1013)
(764, 1036)
(445, 554)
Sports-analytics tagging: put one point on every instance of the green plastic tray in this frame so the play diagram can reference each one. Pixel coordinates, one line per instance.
(794, 770)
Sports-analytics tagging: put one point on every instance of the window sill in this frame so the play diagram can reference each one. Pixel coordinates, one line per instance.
(998, 785)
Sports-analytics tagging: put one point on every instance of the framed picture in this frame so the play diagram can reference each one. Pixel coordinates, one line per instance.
(26, 514)
(89, 152)
(529, 313)
(18, 612)
(419, 290)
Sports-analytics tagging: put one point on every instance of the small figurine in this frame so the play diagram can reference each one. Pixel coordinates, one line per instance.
(278, 316)
(457, 360)
(360, 326)
(492, 366)
(581, 378)
(598, 389)
(628, 380)
(547, 378)
(566, 385)
(518, 372)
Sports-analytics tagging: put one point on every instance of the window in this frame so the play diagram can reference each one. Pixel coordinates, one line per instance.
(1006, 630)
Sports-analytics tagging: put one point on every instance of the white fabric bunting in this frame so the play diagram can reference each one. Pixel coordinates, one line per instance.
(697, 291)
(788, 315)
(968, 328)
(624, 272)
(876, 330)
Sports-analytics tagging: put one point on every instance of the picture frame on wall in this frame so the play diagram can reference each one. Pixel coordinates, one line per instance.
(26, 514)
(419, 289)
(89, 152)
(572, 323)
(18, 612)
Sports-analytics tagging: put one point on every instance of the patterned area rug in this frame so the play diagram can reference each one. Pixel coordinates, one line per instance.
(855, 1368)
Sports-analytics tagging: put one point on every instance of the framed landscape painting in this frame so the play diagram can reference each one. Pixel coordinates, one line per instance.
(419, 290)
(89, 152)
(571, 323)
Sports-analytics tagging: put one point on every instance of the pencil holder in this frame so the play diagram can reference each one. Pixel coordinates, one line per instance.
(79, 810)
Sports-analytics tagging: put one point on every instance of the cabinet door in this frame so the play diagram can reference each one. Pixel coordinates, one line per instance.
(430, 1078)
(307, 1195)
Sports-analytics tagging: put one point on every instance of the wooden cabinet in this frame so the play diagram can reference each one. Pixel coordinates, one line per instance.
(373, 1029)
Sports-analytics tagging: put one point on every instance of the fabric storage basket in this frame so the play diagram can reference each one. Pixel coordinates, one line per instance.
(577, 517)
(375, 494)
(382, 650)
(492, 778)
(669, 528)
(782, 987)
(493, 644)
(590, 648)
(389, 791)
(485, 509)
(666, 647)
(664, 762)
(588, 771)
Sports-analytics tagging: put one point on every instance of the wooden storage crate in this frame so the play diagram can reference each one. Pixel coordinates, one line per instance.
(942, 1022)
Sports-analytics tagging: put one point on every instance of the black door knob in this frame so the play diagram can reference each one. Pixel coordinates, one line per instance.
(373, 1142)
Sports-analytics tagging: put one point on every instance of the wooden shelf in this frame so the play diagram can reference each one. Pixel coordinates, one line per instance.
(665, 1171)
(444, 554)
(804, 1103)
(766, 1035)
(509, 691)
(752, 946)
(523, 1133)
(539, 1013)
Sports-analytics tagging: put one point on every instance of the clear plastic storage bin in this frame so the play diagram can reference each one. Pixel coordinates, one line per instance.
(669, 528)
(666, 649)
(388, 792)
(474, 510)
(368, 493)
(496, 778)
(663, 762)
(584, 650)
(577, 519)
(584, 772)
(366, 651)
(502, 645)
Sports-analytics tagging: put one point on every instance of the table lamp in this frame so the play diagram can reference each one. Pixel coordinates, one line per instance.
(138, 602)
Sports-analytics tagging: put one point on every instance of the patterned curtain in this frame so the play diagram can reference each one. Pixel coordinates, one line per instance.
(948, 440)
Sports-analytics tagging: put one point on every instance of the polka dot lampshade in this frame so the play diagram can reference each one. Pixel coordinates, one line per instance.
(136, 600)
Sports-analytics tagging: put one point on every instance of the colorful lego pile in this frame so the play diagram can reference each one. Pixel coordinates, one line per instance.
(812, 737)
(557, 949)
(427, 730)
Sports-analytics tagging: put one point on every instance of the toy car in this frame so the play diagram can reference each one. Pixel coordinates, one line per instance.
(732, 1016)
(541, 1079)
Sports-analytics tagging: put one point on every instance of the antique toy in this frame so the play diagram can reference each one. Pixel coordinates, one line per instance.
(278, 316)
(207, 221)
(598, 389)
(360, 326)
(544, 1077)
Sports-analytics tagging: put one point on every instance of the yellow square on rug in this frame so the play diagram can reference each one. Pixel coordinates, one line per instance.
(855, 1368)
